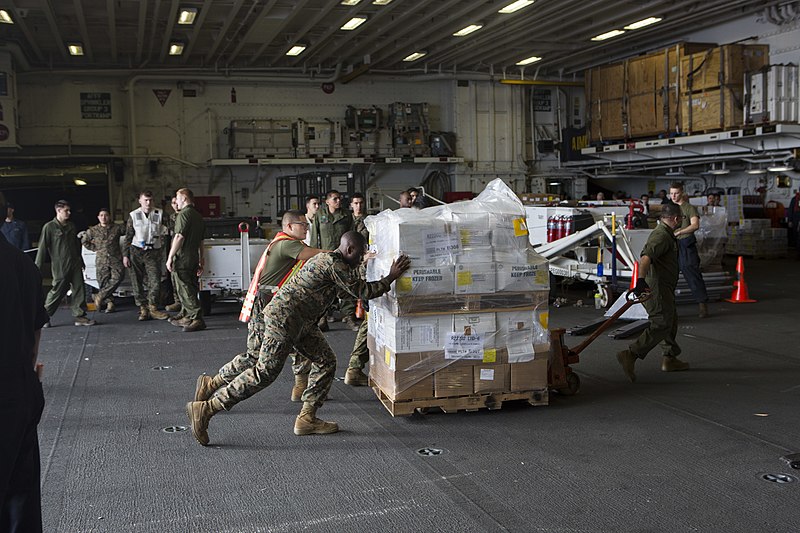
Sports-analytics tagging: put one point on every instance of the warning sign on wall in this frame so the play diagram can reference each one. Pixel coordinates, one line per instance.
(162, 95)
(95, 105)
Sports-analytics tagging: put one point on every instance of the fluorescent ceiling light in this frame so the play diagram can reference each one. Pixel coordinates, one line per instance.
(5, 18)
(469, 29)
(528, 61)
(718, 171)
(296, 50)
(75, 49)
(176, 48)
(779, 167)
(414, 56)
(642, 23)
(756, 170)
(381, 2)
(607, 35)
(555, 183)
(186, 15)
(353, 23)
(79, 182)
(349, 2)
(672, 172)
(515, 6)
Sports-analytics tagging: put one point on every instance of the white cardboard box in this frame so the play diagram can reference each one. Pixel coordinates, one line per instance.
(416, 334)
(425, 281)
(484, 324)
(522, 277)
(475, 278)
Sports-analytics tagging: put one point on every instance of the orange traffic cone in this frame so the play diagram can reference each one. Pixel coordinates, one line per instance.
(635, 275)
(740, 295)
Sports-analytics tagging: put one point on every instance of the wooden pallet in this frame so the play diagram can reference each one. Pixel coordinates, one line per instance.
(474, 402)
(465, 303)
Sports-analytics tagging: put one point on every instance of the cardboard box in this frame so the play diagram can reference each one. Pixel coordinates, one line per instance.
(423, 281)
(523, 334)
(474, 229)
(469, 256)
(491, 378)
(475, 278)
(401, 376)
(522, 277)
(415, 334)
(529, 376)
(510, 232)
(453, 381)
(483, 323)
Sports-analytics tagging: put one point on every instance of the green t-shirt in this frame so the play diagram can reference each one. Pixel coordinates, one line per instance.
(282, 257)
(688, 211)
(662, 249)
(189, 223)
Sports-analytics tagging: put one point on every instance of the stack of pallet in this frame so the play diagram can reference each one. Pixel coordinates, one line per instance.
(756, 238)
(466, 326)
(687, 87)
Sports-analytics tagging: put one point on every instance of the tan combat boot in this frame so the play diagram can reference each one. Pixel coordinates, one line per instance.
(703, 311)
(627, 360)
(110, 307)
(180, 321)
(195, 325)
(206, 386)
(155, 313)
(307, 422)
(144, 313)
(673, 364)
(200, 414)
(173, 307)
(300, 385)
(355, 377)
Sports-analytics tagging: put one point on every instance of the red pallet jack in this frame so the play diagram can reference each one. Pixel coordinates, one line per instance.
(560, 377)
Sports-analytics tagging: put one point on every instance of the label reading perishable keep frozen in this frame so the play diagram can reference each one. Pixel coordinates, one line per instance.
(440, 245)
(460, 346)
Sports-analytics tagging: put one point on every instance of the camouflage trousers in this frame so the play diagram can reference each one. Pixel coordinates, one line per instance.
(275, 348)
(360, 354)
(255, 338)
(146, 275)
(109, 276)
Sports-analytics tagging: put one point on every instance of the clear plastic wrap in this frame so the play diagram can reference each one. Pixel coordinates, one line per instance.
(711, 238)
(470, 315)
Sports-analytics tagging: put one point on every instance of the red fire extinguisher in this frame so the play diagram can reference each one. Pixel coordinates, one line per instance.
(360, 309)
(551, 228)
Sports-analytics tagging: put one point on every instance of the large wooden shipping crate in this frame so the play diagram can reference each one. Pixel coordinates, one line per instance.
(715, 109)
(722, 65)
(605, 89)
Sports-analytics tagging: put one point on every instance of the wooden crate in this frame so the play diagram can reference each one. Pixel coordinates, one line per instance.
(713, 110)
(722, 65)
(473, 402)
(605, 90)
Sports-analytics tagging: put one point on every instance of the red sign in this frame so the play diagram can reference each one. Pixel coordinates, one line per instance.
(162, 95)
(328, 87)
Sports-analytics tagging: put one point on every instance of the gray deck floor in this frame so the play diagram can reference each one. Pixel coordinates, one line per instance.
(673, 452)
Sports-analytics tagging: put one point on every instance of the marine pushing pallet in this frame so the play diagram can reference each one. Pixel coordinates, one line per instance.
(474, 402)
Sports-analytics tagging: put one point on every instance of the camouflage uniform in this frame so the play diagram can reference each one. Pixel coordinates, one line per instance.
(359, 226)
(326, 232)
(290, 321)
(145, 269)
(360, 353)
(108, 262)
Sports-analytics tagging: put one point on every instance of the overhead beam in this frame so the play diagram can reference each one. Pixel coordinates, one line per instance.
(112, 28)
(198, 25)
(172, 18)
(301, 35)
(333, 27)
(140, 31)
(250, 31)
(23, 27)
(49, 14)
(223, 32)
(87, 45)
(297, 8)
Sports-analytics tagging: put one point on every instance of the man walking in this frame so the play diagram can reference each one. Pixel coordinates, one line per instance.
(284, 256)
(22, 315)
(185, 260)
(312, 206)
(14, 230)
(142, 255)
(59, 240)
(290, 321)
(104, 240)
(688, 258)
(658, 273)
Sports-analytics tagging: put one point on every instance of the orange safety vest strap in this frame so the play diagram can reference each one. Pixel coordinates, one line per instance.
(252, 290)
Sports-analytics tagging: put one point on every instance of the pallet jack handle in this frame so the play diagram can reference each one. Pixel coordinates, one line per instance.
(630, 300)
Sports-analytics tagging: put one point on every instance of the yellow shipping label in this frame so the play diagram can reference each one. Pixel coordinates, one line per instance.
(387, 355)
(542, 276)
(464, 278)
(404, 284)
(490, 355)
(464, 237)
(520, 227)
(544, 318)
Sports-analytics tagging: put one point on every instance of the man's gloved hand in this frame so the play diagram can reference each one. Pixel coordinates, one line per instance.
(641, 287)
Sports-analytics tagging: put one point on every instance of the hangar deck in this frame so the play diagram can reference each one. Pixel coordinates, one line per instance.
(673, 452)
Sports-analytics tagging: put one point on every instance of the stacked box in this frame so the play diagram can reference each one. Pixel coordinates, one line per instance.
(755, 237)
(472, 307)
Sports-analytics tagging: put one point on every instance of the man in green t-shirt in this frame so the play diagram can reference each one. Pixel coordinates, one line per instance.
(688, 258)
(285, 255)
(185, 261)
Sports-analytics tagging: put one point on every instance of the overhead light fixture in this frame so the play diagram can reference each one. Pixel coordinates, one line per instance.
(672, 172)
(642, 23)
(718, 171)
(186, 15)
(414, 56)
(353, 23)
(779, 167)
(80, 182)
(469, 29)
(350, 2)
(176, 48)
(75, 49)
(607, 35)
(755, 169)
(296, 50)
(5, 18)
(515, 6)
(554, 183)
(528, 61)
(381, 2)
